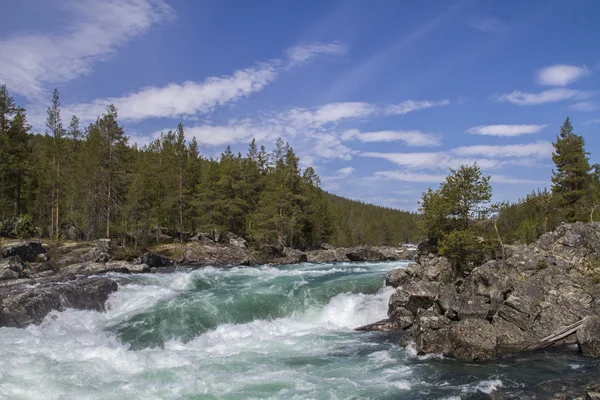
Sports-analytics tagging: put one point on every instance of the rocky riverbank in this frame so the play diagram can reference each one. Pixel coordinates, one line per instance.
(37, 278)
(503, 306)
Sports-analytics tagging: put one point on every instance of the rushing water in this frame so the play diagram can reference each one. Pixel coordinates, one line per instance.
(266, 332)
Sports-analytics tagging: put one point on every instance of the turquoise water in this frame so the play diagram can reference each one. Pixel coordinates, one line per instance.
(280, 332)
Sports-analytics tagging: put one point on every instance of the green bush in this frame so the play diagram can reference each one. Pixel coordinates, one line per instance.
(465, 250)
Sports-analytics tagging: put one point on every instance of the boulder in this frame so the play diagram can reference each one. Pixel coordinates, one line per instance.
(327, 246)
(419, 295)
(472, 339)
(431, 333)
(154, 260)
(385, 325)
(100, 251)
(26, 251)
(23, 305)
(200, 254)
(327, 256)
(588, 337)
(365, 254)
(397, 277)
(12, 268)
(295, 255)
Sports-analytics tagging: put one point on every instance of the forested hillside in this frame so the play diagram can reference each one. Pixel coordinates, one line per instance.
(89, 182)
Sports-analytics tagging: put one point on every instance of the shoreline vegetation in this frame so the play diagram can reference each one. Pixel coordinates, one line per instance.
(86, 183)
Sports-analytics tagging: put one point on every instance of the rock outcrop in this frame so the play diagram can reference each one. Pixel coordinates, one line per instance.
(502, 305)
(23, 304)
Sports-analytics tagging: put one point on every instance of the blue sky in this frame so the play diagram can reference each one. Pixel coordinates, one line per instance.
(380, 97)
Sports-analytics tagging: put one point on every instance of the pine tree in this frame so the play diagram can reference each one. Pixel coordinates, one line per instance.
(56, 131)
(571, 180)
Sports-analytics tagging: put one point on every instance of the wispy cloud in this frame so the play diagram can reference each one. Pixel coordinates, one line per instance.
(97, 28)
(538, 149)
(585, 106)
(561, 74)
(177, 100)
(488, 24)
(505, 130)
(408, 106)
(406, 176)
(592, 121)
(412, 138)
(304, 53)
(486, 156)
(510, 180)
(547, 96)
(192, 98)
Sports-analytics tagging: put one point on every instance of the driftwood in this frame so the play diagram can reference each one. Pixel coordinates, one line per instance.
(556, 336)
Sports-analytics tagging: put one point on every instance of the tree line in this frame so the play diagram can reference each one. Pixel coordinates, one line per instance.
(90, 182)
(462, 224)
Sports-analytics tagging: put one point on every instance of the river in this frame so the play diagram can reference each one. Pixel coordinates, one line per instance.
(266, 332)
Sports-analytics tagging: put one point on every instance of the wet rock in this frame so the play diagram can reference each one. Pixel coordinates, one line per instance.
(385, 325)
(420, 295)
(22, 305)
(588, 336)
(403, 318)
(472, 339)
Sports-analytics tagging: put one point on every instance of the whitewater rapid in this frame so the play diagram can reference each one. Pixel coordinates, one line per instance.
(259, 332)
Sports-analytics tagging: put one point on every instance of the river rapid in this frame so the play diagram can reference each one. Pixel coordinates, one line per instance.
(265, 332)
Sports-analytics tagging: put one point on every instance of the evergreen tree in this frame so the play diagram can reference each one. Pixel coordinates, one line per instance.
(571, 180)
(56, 131)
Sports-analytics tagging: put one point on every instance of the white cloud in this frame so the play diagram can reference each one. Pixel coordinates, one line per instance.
(327, 114)
(511, 180)
(505, 130)
(302, 54)
(178, 100)
(488, 24)
(345, 172)
(413, 105)
(592, 121)
(406, 176)
(486, 156)
(547, 96)
(29, 62)
(341, 173)
(585, 106)
(412, 138)
(538, 149)
(191, 98)
(561, 74)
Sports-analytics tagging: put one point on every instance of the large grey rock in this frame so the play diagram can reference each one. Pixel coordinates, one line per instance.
(365, 254)
(153, 260)
(295, 254)
(412, 297)
(327, 256)
(23, 305)
(431, 333)
(26, 251)
(472, 339)
(12, 268)
(588, 337)
(397, 277)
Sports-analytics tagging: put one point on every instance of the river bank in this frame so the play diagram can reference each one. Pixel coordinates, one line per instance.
(38, 277)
